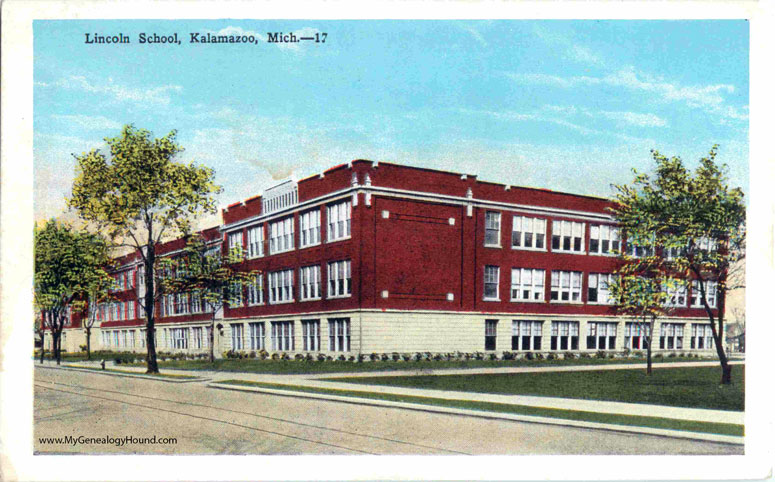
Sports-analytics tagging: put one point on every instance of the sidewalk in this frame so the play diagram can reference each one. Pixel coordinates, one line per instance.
(599, 406)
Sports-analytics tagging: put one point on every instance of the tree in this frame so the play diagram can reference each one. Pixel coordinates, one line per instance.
(97, 293)
(696, 222)
(138, 195)
(67, 264)
(642, 294)
(201, 272)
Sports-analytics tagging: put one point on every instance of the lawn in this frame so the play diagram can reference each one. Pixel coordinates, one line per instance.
(696, 387)
(615, 419)
(255, 365)
(128, 372)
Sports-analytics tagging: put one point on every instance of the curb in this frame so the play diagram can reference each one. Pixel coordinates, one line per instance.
(128, 375)
(707, 437)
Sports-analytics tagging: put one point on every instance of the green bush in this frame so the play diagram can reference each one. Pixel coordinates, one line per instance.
(479, 356)
(568, 355)
(395, 356)
(530, 356)
(406, 356)
(508, 355)
(671, 354)
(600, 354)
(584, 354)
(321, 357)
(551, 356)
(539, 356)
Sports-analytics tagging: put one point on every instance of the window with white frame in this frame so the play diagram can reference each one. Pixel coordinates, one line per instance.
(310, 330)
(706, 244)
(603, 239)
(257, 336)
(142, 338)
(635, 336)
(196, 302)
(237, 332)
(710, 293)
(197, 338)
(566, 286)
(256, 291)
(565, 335)
(105, 339)
(601, 336)
(339, 279)
(235, 294)
(568, 236)
(528, 233)
(179, 338)
(122, 338)
(235, 243)
(309, 282)
(492, 229)
(526, 335)
(527, 284)
(116, 339)
(281, 235)
(490, 334)
(671, 336)
(598, 288)
(130, 310)
(640, 248)
(309, 228)
(282, 336)
(491, 278)
(281, 286)
(676, 294)
(702, 337)
(339, 334)
(181, 304)
(256, 241)
(339, 216)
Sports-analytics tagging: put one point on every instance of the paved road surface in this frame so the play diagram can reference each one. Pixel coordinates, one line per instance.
(209, 421)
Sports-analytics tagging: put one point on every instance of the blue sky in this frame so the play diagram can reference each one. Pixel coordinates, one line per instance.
(565, 105)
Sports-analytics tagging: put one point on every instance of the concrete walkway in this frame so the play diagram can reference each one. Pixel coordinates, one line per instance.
(598, 406)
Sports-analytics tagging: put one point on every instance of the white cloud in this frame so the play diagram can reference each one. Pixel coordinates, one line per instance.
(707, 97)
(88, 122)
(635, 118)
(150, 95)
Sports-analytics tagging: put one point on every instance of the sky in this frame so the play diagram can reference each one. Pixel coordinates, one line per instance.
(571, 106)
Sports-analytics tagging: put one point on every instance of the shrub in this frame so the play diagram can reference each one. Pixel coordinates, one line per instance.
(659, 355)
(539, 356)
(82, 348)
(299, 357)
(530, 356)
(251, 354)
(395, 356)
(551, 356)
(384, 357)
(374, 357)
(612, 355)
(361, 357)
(584, 354)
(479, 355)
(351, 358)
(417, 357)
(492, 356)
(438, 357)
(427, 356)
(321, 357)
(507, 355)
(275, 356)
(263, 354)
(600, 354)
(638, 354)
(671, 354)
(626, 352)
(569, 355)
(467, 356)
(329, 358)
(285, 356)
(406, 356)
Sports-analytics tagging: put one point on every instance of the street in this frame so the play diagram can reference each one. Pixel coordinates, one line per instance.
(203, 420)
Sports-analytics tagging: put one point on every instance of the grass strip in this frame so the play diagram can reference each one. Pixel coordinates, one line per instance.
(113, 370)
(615, 419)
(254, 365)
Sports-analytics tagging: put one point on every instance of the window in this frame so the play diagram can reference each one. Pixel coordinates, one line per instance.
(281, 235)
(235, 294)
(311, 334)
(702, 337)
(309, 282)
(237, 331)
(281, 286)
(640, 248)
(491, 275)
(566, 286)
(706, 244)
(601, 336)
(710, 294)
(339, 216)
(196, 302)
(527, 284)
(339, 334)
(115, 338)
(181, 303)
(528, 233)
(130, 310)
(282, 335)
(492, 229)
(603, 239)
(490, 334)
(568, 236)
(256, 291)
(235, 243)
(197, 341)
(309, 228)
(598, 288)
(256, 241)
(526, 335)
(565, 335)
(105, 339)
(179, 338)
(339, 279)
(257, 336)
(671, 336)
(676, 295)
(635, 336)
